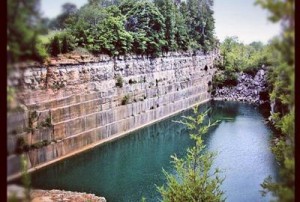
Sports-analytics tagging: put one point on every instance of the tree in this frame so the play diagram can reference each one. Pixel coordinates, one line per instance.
(22, 31)
(200, 23)
(193, 179)
(168, 11)
(54, 46)
(113, 38)
(127, 5)
(181, 32)
(104, 3)
(68, 42)
(282, 94)
(92, 14)
(145, 17)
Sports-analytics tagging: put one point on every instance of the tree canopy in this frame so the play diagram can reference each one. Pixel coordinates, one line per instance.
(140, 27)
(23, 27)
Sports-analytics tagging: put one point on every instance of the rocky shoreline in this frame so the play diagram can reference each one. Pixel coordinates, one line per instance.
(16, 193)
(252, 89)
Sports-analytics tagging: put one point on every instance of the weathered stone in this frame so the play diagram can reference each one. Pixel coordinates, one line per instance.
(89, 106)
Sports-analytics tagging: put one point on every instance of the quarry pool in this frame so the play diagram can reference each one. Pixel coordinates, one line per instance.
(130, 168)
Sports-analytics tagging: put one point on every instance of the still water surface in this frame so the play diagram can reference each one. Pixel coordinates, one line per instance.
(130, 168)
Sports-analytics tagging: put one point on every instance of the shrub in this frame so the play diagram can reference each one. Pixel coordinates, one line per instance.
(40, 51)
(194, 178)
(54, 46)
(252, 70)
(65, 47)
(224, 78)
(132, 81)
(119, 82)
(46, 122)
(125, 100)
(21, 145)
(81, 51)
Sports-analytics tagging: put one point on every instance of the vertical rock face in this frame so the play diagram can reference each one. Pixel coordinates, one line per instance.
(70, 106)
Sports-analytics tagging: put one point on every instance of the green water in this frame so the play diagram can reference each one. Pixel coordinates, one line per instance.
(129, 168)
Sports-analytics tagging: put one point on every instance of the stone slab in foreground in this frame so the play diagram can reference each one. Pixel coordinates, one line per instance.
(53, 195)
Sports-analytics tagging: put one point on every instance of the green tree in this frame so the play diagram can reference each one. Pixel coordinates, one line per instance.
(23, 27)
(54, 46)
(113, 38)
(200, 23)
(181, 32)
(239, 57)
(194, 179)
(126, 5)
(168, 11)
(140, 42)
(68, 42)
(145, 17)
(104, 3)
(281, 80)
(92, 14)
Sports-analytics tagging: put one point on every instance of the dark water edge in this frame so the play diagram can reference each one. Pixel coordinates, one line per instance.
(130, 168)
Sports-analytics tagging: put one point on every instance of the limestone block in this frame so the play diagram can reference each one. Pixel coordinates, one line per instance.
(105, 106)
(108, 131)
(69, 145)
(13, 164)
(66, 113)
(75, 126)
(11, 143)
(89, 107)
(103, 132)
(74, 111)
(59, 131)
(104, 118)
(110, 116)
(58, 149)
(45, 133)
(17, 121)
(49, 152)
(90, 121)
(115, 128)
(99, 121)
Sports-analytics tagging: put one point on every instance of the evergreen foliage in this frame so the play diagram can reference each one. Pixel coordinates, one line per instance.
(282, 94)
(54, 46)
(194, 179)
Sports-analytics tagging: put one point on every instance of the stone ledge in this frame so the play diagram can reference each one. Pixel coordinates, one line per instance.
(54, 195)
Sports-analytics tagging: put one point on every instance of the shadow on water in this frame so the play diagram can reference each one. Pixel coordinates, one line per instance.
(129, 168)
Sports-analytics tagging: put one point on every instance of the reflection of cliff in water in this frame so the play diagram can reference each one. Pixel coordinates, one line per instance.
(224, 111)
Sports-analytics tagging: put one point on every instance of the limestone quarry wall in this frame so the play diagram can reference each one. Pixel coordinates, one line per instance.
(71, 105)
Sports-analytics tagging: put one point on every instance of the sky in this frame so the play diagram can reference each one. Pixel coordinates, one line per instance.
(243, 19)
(239, 18)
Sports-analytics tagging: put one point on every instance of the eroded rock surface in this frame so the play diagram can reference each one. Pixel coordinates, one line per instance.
(251, 89)
(67, 106)
(37, 195)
